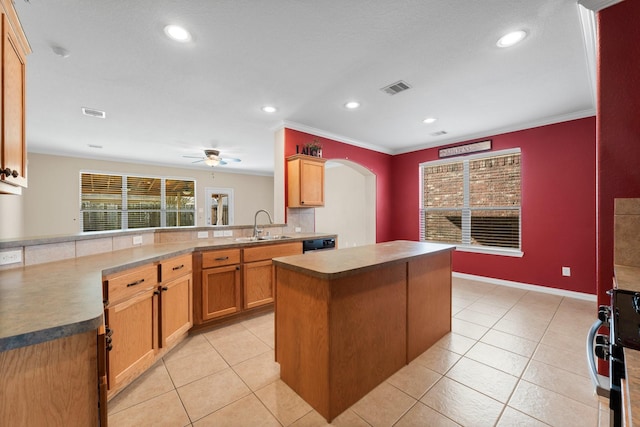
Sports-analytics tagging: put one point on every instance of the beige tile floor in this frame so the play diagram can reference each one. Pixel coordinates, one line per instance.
(513, 358)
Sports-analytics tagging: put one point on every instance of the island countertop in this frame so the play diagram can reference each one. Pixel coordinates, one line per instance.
(348, 261)
(48, 301)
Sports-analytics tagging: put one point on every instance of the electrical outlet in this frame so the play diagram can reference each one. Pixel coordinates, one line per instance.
(566, 271)
(228, 233)
(137, 240)
(298, 229)
(10, 257)
(218, 233)
(205, 234)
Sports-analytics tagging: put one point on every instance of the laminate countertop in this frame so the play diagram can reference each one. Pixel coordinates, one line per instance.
(48, 301)
(349, 261)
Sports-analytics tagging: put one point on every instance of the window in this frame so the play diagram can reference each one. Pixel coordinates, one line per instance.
(473, 202)
(122, 202)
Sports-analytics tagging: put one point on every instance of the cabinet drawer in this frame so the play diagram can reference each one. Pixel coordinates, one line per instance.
(127, 283)
(259, 253)
(220, 258)
(175, 267)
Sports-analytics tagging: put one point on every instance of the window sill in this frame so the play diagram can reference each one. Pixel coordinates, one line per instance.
(490, 251)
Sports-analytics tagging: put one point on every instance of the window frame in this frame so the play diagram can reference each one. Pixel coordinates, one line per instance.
(492, 250)
(124, 209)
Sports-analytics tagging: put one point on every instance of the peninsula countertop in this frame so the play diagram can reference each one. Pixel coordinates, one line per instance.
(48, 301)
(348, 261)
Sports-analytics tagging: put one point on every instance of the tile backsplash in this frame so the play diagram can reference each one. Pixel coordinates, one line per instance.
(626, 246)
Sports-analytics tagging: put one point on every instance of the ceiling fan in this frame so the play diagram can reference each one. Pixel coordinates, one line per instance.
(213, 158)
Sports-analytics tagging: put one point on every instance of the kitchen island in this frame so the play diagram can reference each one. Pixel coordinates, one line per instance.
(348, 319)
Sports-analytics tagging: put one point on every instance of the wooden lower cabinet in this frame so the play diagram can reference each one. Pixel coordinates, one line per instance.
(259, 275)
(133, 343)
(234, 282)
(51, 383)
(258, 283)
(220, 291)
(176, 310)
(148, 310)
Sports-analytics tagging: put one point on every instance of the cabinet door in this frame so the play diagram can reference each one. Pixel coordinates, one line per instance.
(132, 340)
(311, 183)
(175, 310)
(258, 283)
(220, 291)
(12, 128)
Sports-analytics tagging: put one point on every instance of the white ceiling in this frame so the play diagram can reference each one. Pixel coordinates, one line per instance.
(164, 99)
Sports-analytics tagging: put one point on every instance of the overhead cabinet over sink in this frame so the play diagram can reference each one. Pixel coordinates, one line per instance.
(305, 181)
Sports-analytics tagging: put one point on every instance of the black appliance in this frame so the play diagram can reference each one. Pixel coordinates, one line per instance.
(318, 244)
(622, 319)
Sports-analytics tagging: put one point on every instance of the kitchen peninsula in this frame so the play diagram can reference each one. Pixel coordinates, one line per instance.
(52, 331)
(348, 319)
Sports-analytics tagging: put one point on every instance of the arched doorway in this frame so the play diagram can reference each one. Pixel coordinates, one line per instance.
(350, 204)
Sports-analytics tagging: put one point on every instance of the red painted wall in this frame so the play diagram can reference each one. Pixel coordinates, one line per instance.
(376, 162)
(558, 204)
(558, 208)
(618, 135)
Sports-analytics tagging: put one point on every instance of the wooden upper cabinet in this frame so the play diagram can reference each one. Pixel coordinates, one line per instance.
(306, 181)
(13, 151)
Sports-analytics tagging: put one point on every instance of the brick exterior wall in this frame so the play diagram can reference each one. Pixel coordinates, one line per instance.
(493, 182)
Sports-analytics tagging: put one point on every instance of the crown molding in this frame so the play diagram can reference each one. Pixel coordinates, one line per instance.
(597, 5)
(335, 137)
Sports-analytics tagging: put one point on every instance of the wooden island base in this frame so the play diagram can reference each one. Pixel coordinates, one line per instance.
(346, 320)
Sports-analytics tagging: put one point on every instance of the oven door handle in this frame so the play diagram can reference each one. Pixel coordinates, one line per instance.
(599, 382)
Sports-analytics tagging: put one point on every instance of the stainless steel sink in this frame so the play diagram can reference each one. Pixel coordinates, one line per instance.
(276, 237)
(253, 239)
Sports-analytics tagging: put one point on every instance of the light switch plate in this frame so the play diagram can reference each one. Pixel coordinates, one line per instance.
(228, 233)
(218, 233)
(137, 240)
(566, 271)
(204, 234)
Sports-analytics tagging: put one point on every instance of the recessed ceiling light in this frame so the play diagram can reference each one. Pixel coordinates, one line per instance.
(269, 109)
(352, 105)
(429, 120)
(177, 33)
(511, 38)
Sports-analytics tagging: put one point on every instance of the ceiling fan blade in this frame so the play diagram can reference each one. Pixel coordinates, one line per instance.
(232, 160)
(192, 157)
(197, 161)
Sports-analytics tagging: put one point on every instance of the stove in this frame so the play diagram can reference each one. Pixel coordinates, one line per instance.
(621, 323)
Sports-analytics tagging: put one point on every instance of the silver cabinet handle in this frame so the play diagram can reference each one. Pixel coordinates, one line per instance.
(598, 381)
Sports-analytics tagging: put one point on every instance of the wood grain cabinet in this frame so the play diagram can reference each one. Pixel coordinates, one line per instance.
(220, 283)
(130, 304)
(13, 152)
(148, 310)
(258, 272)
(176, 300)
(305, 181)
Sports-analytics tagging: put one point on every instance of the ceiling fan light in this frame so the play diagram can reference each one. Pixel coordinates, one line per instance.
(212, 161)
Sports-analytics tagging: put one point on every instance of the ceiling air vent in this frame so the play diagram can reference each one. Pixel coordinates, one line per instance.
(439, 133)
(396, 87)
(93, 113)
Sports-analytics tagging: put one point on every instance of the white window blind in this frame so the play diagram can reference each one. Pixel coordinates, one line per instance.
(472, 201)
(121, 202)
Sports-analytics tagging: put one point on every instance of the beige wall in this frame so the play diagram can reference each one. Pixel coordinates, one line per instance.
(11, 218)
(350, 205)
(51, 204)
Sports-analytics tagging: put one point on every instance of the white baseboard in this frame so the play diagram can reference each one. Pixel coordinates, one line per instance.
(528, 287)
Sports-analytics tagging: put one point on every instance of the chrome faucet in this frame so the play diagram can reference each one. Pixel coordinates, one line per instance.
(256, 230)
